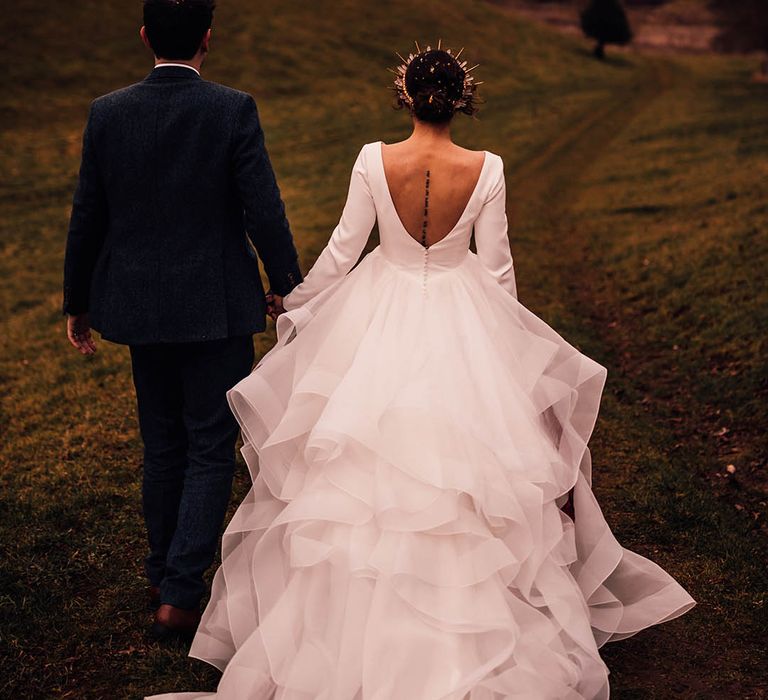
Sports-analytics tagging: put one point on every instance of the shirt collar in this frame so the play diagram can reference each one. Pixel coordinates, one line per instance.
(177, 65)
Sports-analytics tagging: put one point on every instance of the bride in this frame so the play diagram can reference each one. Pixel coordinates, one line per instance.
(421, 524)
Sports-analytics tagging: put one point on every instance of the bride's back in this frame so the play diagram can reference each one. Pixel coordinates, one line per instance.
(453, 176)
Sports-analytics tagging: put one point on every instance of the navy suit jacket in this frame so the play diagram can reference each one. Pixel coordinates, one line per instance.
(175, 180)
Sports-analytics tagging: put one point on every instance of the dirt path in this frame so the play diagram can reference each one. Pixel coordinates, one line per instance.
(670, 660)
(542, 189)
(570, 153)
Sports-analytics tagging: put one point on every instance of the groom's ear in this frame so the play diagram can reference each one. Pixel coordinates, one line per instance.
(145, 39)
(205, 43)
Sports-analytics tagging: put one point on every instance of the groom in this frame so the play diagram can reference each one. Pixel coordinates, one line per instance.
(175, 181)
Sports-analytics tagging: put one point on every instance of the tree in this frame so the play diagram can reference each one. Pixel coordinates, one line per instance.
(606, 22)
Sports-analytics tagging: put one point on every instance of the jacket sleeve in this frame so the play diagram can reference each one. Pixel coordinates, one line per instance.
(491, 237)
(346, 242)
(87, 228)
(265, 219)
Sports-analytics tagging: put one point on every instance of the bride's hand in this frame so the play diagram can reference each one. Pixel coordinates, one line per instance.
(274, 305)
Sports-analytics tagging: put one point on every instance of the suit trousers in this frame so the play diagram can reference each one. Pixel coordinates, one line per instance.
(189, 436)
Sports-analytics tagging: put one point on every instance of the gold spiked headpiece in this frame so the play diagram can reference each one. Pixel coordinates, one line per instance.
(470, 85)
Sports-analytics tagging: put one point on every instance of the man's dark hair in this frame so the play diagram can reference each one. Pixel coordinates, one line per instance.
(175, 28)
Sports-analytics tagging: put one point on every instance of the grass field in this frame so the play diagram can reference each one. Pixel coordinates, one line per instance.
(637, 196)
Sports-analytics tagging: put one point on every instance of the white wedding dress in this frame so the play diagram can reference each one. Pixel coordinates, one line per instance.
(411, 437)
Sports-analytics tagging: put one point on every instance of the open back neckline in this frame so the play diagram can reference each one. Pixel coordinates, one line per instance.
(394, 208)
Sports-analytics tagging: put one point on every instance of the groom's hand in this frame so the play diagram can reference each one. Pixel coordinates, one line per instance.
(274, 305)
(79, 334)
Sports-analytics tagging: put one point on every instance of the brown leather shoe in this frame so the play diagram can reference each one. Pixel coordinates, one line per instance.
(154, 597)
(172, 622)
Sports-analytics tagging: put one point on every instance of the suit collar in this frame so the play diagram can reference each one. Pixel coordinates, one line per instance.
(166, 72)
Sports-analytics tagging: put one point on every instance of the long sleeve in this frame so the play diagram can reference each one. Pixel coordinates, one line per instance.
(347, 240)
(491, 237)
(265, 219)
(87, 228)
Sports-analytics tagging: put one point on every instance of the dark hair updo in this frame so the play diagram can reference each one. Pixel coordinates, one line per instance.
(434, 80)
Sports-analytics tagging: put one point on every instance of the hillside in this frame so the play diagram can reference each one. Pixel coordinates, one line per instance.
(637, 192)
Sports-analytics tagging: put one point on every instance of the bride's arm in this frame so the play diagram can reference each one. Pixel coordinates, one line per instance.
(491, 237)
(346, 243)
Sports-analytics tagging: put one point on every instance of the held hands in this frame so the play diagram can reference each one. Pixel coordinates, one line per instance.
(274, 305)
(79, 334)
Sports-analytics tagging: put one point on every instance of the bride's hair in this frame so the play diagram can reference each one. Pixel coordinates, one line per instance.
(434, 86)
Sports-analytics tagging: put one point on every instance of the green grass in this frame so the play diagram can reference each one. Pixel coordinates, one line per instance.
(655, 218)
(684, 233)
(608, 165)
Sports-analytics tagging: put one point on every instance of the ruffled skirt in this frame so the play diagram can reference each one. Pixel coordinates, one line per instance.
(403, 540)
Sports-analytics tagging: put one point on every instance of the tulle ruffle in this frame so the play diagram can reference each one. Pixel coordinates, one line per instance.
(409, 448)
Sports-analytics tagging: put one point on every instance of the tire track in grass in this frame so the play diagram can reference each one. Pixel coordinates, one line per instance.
(714, 650)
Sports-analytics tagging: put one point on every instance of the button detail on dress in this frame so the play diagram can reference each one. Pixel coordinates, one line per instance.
(424, 234)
